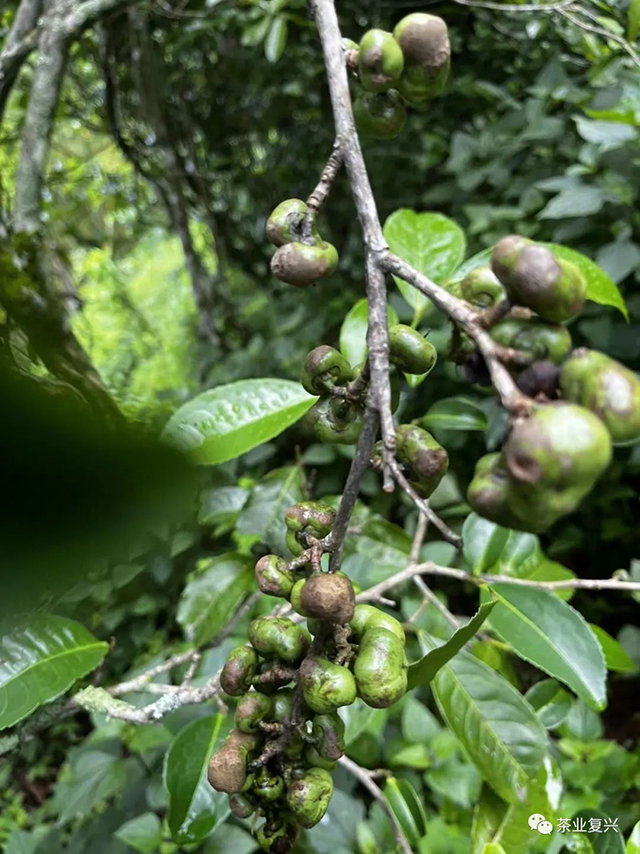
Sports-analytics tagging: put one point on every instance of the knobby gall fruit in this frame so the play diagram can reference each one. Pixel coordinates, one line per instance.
(336, 421)
(553, 459)
(307, 519)
(238, 671)
(367, 617)
(329, 597)
(326, 686)
(380, 668)
(308, 797)
(227, 770)
(273, 576)
(252, 708)
(278, 636)
(409, 351)
(285, 224)
(424, 458)
(324, 369)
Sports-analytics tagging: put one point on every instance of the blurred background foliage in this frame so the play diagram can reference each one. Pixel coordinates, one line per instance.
(178, 130)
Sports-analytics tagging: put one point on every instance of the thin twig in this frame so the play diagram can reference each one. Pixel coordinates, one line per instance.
(366, 779)
(327, 177)
(423, 506)
(430, 568)
(600, 31)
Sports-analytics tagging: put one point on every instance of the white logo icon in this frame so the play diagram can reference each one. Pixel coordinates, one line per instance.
(538, 822)
(535, 819)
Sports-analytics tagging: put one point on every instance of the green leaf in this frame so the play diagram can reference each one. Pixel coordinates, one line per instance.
(633, 843)
(615, 655)
(276, 39)
(599, 132)
(600, 286)
(604, 842)
(493, 848)
(633, 27)
(550, 701)
(497, 727)
(422, 672)
(40, 658)
(143, 833)
(356, 718)
(194, 807)
(263, 516)
(432, 243)
(221, 505)
(89, 779)
(211, 596)
(230, 420)
(484, 542)
(455, 413)
(553, 636)
(481, 259)
(576, 200)
(407, 808)
(353, 332)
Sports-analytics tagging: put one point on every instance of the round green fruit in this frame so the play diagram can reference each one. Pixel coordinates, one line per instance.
(481, 288)
(286, 222)
(227, 771)
(534, 277)
(380, 61)
(324, 369)
(302, 264)
(409, 351)
(424, 42)
(336, 421)
(308, 797)
(274, 577)
(366, 617)
(606, 388)
(380, 668)
(326, 686)
(278, 636)
(535, 338)
(425, 459)
(252, 708)
(553, 459)
(328, 596)
(380, 116)
(238, 671)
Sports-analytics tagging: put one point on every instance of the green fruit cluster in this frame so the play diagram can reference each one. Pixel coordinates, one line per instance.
(276, 764)
(333, 419)
(302, 257)
(408, 67)
(551, 460)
